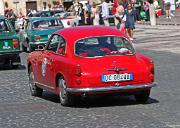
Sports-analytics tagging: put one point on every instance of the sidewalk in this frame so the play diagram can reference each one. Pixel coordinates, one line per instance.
(175, 20)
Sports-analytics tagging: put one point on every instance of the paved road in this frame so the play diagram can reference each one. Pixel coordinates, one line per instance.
(20, 110)
(174, 21)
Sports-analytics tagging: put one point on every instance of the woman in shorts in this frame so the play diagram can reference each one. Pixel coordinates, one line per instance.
(167, 7)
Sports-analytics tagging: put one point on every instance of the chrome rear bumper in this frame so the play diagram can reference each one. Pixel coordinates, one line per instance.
(111, 88)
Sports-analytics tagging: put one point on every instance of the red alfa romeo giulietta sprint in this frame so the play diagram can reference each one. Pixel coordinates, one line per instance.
(90, 60)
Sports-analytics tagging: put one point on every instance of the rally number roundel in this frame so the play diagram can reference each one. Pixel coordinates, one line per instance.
(44, 62)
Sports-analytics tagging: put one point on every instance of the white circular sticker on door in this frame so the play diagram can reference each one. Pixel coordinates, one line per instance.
(44, 62)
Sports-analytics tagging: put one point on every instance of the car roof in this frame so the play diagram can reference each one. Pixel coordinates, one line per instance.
(41, 18)
(76, 33)
(52, 11)
(2, 17)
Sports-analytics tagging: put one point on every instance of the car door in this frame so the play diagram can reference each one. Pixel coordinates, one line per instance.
(46, 61)
(55, 53)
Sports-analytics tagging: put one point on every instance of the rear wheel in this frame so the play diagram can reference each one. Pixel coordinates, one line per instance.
(35, 91)
(15, 66)
(66, 98)
(142, 96)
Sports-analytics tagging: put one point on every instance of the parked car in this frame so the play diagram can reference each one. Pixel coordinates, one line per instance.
(9, 44)
(49, 13)
(90, 60)
(38, 30)
(68, 18)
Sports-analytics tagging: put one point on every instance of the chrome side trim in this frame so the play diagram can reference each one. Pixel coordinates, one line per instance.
(44, 85)
(112, 88)
(36, 43)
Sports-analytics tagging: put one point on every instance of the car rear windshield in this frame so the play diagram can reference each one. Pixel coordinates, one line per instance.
(4, 26)
(40, 24)
(103, 46)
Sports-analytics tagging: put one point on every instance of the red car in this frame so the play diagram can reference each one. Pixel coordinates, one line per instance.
(90, 60)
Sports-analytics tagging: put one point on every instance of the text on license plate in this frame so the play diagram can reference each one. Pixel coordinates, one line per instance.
(117, 77)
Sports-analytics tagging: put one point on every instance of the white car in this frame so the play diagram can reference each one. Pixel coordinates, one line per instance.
(70, 21)
(19, 23)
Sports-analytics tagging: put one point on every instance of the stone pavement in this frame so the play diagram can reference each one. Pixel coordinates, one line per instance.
(175, 20)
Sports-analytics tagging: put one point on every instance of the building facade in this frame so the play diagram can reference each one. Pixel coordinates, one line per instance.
(22, 6)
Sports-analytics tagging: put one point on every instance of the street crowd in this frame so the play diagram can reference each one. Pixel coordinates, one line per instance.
(123, 12)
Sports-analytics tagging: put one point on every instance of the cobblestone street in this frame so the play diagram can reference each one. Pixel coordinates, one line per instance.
(18, 109)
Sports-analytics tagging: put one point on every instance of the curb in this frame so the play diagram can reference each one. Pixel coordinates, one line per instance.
(162, 24)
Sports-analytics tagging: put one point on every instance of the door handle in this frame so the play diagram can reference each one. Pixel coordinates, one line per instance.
(50, 60)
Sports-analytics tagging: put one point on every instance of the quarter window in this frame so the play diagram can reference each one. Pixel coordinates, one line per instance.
(53, 45)
(4, 26)
(61, 46)
(57, 44)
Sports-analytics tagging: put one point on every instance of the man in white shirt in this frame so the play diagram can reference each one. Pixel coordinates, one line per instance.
(105, 12)
(156, 5)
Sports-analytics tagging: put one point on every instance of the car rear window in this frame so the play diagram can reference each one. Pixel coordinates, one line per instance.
(38, 24)
(103, 46)
(4, 26)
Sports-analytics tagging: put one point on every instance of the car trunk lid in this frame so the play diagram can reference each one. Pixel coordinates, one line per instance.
(45, 33)
(113, 66)
(9, 42)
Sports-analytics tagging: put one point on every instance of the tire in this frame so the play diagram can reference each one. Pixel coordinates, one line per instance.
(65, 97)
(35, 91)
(142, 96)
(15, 66)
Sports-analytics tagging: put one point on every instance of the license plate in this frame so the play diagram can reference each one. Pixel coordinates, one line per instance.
(117, 77)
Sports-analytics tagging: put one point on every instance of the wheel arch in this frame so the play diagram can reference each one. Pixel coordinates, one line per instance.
(58, 75)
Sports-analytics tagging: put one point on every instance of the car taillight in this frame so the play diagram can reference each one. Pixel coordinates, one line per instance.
(152, 69)
(78, 70)
(68, 23)
(15, 43)
(37, 38)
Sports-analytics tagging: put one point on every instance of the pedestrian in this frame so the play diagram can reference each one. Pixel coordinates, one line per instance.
(89, 11)
(173, 7)
(105, 12)
(146, 9)
(137, 6)
(125, 3)
(130, 20)
(76, 7)
(167, 8)
(95, 14)
(12, 17)
(29, 13)
(119, 13)
(81, 14)
(156, 5)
